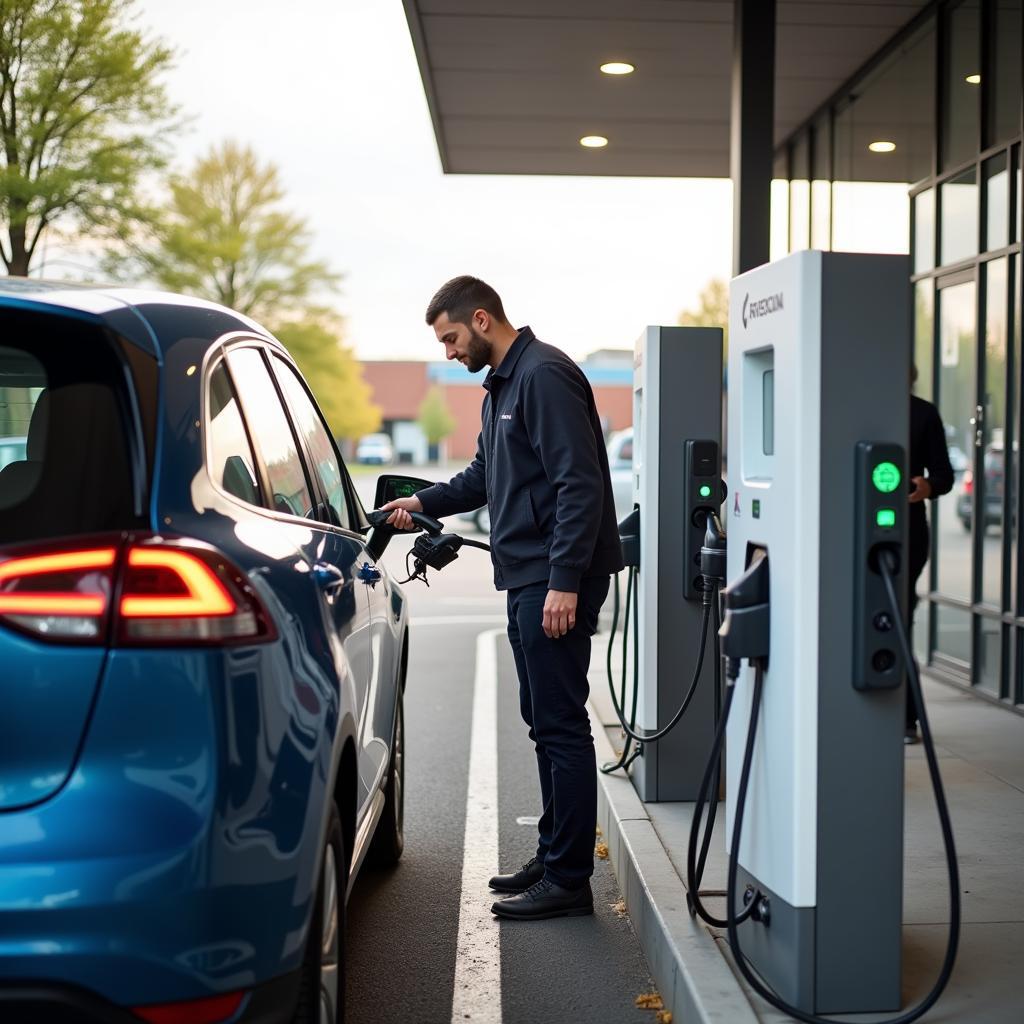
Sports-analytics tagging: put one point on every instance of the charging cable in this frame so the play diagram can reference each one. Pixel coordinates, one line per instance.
(887, 566)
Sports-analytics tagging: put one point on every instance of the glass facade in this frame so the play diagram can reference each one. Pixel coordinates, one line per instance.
(921, 154)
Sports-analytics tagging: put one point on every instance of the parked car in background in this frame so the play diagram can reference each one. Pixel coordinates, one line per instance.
(375, 450)
(992, 491)
(620, 465)
(12, 449)
(204, 666)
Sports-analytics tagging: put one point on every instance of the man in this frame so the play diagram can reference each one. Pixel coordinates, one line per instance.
(541, 468)
(928, 453)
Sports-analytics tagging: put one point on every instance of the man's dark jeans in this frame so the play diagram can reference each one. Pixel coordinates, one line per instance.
(553, 693)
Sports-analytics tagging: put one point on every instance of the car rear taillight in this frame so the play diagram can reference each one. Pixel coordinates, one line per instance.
(176, 594)
(60, 595)
(968, 483)
(139, 590)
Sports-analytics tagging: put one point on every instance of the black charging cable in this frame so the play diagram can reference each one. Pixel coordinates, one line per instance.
(628, 756)
(887, 566)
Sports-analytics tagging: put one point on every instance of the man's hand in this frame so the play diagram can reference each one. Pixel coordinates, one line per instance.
(922, 489)
(559, 613)
(400, 518)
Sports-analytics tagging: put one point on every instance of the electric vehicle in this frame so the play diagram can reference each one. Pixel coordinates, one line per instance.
(375, 450)
(203, 663)
(620, 466)
(992, 495)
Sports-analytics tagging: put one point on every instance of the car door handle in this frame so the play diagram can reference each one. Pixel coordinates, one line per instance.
(328, 577)
(369, 575)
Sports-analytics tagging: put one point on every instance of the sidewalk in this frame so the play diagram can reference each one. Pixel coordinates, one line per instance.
(981, 750)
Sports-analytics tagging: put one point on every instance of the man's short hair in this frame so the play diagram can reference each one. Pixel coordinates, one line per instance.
(461, 297)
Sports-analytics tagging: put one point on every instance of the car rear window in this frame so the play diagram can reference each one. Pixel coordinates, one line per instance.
(64, 451)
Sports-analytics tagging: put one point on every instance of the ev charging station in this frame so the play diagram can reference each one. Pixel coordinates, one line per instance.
(677, 426)
(819, 391)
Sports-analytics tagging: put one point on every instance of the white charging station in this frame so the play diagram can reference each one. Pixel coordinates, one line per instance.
(677, 426)
(819, 391)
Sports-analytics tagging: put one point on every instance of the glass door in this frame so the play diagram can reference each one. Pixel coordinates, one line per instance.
(954, 517)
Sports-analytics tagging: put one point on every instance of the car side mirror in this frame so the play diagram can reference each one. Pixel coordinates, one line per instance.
(391, 486)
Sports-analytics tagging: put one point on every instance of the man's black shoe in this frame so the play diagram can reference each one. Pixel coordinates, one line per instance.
(544, 900)
(529, 874)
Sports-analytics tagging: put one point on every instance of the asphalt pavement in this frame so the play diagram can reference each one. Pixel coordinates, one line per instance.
(403, 928)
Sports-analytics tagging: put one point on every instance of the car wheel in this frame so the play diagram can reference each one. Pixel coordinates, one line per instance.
(389, 839)
(482, 520)
(966, 525)
(322, 988)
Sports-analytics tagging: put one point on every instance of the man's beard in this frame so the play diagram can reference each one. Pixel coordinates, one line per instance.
(478, 351)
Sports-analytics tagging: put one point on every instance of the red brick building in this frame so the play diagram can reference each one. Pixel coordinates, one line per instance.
(399, 387)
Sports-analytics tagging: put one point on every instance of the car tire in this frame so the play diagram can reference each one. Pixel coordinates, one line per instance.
(322, 985)
(389, 838)
(966, 523)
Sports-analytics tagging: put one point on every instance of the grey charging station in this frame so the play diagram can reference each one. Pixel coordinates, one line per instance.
(819, 387)
(677, 444)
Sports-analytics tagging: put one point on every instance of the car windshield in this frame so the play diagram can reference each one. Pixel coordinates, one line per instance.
(64, 458)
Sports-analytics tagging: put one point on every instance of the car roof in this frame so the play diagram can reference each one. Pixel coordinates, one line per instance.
(153, 320)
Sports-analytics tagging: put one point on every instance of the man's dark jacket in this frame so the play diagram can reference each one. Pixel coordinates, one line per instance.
(928, 453)
(542, 469)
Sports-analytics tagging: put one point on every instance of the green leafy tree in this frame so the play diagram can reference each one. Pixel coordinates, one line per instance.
(83, 118)
(226, 236)
(332, 372)
(435, 418)
(712, 310)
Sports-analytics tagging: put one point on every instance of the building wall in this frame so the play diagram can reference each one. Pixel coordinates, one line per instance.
(400, 386)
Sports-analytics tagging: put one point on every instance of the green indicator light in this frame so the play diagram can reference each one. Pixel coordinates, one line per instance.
(705, 491)
(886, 517)
(886, 477)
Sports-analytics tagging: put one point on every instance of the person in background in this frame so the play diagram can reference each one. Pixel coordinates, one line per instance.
(931, 476)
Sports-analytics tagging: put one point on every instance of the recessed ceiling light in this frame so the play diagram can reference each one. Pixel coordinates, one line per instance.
(618, 67)
(881, 147)
(593, 141)
(973, 79)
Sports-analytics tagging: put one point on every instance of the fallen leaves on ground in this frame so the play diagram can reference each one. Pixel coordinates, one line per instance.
(619, 908)
(601, 851)
(598, 832)
(663, 1017)
(649, 1001)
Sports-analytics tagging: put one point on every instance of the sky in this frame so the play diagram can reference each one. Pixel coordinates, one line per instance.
(329, 91)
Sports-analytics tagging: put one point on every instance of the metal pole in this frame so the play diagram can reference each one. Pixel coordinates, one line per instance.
(752, 136)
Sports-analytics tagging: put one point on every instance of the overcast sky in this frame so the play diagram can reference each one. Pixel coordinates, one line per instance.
(329, 90)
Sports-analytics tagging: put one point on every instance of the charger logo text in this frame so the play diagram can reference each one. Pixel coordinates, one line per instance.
(760, 307)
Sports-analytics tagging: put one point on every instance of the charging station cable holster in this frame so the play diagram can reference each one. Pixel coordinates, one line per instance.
(745, 630)
(629, 537)
(713, 557)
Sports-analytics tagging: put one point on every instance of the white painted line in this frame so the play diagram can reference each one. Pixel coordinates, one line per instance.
(528, 819)
(477, 996)
(457, 620)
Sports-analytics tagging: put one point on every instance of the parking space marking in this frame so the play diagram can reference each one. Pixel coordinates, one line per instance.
(477, 996)
(457, 620)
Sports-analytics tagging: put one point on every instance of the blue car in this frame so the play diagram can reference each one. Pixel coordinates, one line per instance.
(202, 663)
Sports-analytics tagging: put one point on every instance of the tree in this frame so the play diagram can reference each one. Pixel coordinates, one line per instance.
(435, 418)
(332, 372)
(712, 310)
(226, 237)
(83, 117)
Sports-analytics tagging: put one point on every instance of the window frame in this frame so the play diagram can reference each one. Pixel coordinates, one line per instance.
(220, 361)
(265, 346)
(354, 509)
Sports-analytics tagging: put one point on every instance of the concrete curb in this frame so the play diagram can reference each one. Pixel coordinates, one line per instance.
(694, 979)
